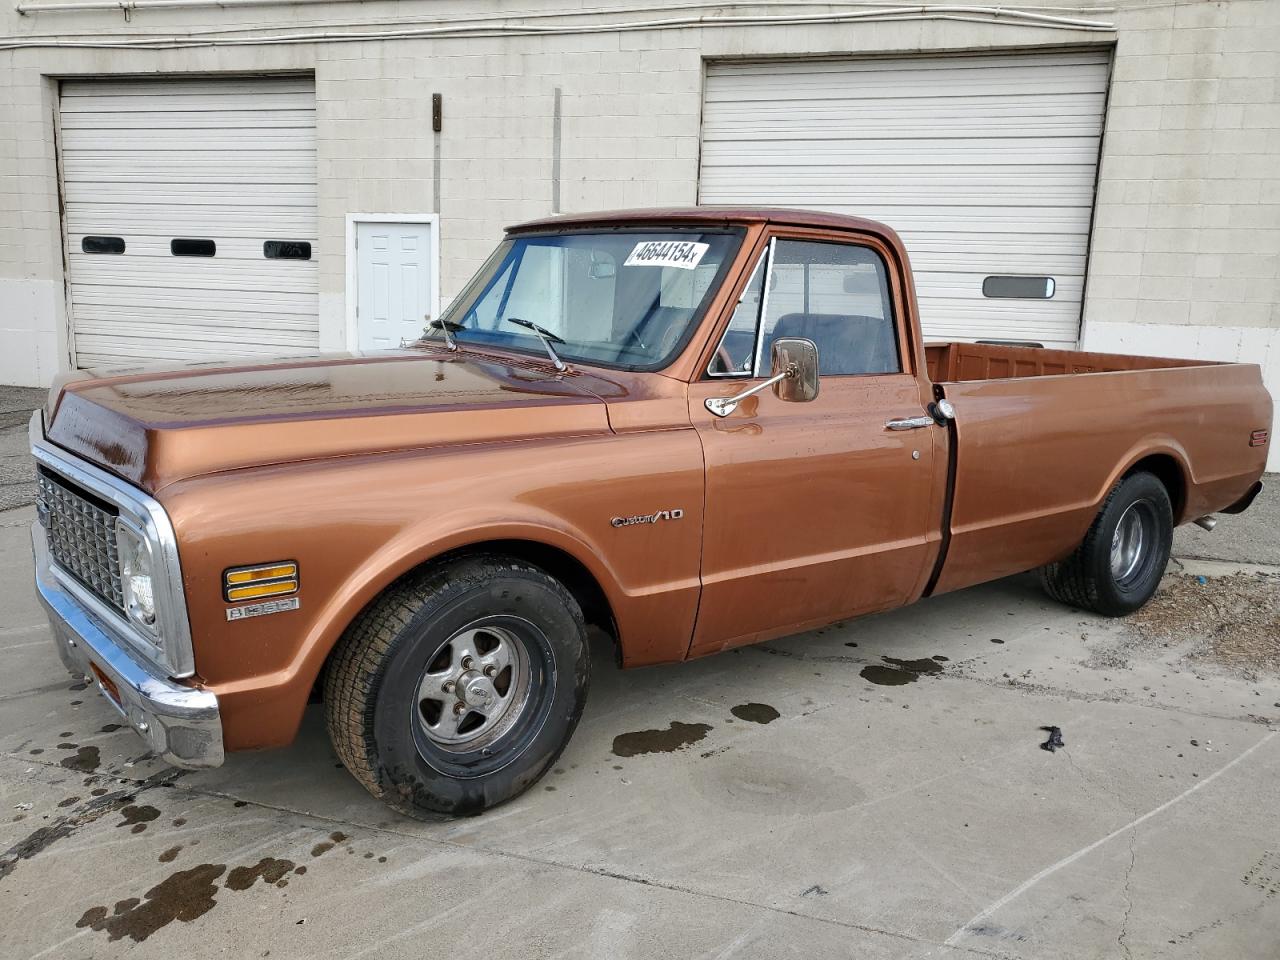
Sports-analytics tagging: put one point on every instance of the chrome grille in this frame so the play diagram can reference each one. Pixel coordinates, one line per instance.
(82, 536)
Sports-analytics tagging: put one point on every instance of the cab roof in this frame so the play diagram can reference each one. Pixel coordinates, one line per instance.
(720, 216)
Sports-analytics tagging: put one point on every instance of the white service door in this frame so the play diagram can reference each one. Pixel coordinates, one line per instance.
(985, 164)
(191, 218)
(394, 299)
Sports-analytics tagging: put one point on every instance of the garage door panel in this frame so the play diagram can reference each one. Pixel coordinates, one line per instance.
(924, 152)
(160, 100)
(151, 168)
(130, 352)
(933, 191)
(231, 161)
(226, 195)
(193, 142)
(985, 165)
(241, 276)
(959, 221)
(102, 318)
(119, 220)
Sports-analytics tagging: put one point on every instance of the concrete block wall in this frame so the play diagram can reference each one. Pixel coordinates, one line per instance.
(1185, 255)
(1186, 244)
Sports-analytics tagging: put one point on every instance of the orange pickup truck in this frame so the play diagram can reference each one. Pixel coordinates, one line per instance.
(693, 429)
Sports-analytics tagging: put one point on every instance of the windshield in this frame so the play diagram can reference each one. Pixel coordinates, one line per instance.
(625, 299)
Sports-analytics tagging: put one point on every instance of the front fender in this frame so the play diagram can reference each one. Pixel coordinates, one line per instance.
(356, 525)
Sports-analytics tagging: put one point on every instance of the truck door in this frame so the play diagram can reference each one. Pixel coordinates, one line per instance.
(823, 509)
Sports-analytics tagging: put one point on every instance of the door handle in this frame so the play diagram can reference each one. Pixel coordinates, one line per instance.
(909, 423)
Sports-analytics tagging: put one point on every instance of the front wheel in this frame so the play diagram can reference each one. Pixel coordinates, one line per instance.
(1119, 564)
(459, 687)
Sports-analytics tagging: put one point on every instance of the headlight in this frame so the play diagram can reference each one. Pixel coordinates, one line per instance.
(135, 576)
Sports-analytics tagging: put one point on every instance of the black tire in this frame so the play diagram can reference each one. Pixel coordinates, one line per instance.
(390, 739)
(1089, 579)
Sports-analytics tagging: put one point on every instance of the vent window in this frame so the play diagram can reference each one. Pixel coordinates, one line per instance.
(1018, 288)
(188, 247)
(102, 244)
(286, 250)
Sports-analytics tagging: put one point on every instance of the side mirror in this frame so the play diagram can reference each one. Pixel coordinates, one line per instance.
(795, 376)
(798, 359)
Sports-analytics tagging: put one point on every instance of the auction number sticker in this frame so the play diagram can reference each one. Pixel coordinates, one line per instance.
(681, 254)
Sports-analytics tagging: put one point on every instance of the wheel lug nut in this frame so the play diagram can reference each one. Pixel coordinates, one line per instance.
(447, 687)
(466, 663)
(459, 708)
(490, 671)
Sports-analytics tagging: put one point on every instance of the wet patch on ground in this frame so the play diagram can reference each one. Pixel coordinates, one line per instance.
(137, 817)
(85, 760)
(898, 672)
(335, 838)
(755, 712)
(37, 842)
(268, 869)
(185, 895)
(76, 817)
(676, 737)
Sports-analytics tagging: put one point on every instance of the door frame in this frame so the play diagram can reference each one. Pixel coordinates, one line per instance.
(354, 220)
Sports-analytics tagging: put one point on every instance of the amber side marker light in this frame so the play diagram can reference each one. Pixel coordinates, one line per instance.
(1259, 437)
(265, 580)
(108, 684)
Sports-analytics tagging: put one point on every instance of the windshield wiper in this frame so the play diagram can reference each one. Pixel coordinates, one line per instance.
(547, 338)
(447, 328)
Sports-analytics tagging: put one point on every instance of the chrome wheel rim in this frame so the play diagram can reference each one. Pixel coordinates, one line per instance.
(1129, 541)
(474, 688)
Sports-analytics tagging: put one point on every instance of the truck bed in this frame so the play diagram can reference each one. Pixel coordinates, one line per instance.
(959, 362)
(1035, 449)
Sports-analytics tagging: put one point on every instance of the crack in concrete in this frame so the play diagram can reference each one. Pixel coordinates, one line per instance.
(1123, 936)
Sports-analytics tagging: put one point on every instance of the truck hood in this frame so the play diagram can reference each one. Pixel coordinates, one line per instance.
(153, 427)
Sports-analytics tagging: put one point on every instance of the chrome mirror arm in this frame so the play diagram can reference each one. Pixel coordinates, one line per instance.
(443, 327)
(723, 406)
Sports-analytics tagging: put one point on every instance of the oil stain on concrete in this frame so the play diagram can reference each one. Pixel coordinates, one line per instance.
(268, 869)
(137, 817)
(186, 895)
(676, 737)
(755, 712)
(326, 845)
(899, 672)
(85, 760)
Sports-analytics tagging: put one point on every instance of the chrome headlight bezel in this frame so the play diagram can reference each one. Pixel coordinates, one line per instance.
(169, 643)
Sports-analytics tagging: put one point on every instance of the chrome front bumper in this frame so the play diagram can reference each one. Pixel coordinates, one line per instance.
(180, 724)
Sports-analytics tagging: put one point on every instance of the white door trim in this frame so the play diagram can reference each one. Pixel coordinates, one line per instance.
(429, 220)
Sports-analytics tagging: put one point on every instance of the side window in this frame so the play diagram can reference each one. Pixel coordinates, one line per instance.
(737, 350)
(836, 295)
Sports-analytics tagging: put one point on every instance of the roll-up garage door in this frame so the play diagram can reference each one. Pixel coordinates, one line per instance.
(191, 218)
(985, 165)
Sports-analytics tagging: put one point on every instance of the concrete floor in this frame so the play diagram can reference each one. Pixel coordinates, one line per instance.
(16, 470)
(870, 821)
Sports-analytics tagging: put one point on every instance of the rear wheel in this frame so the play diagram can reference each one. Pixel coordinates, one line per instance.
(459, 687)
(1120, 562)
